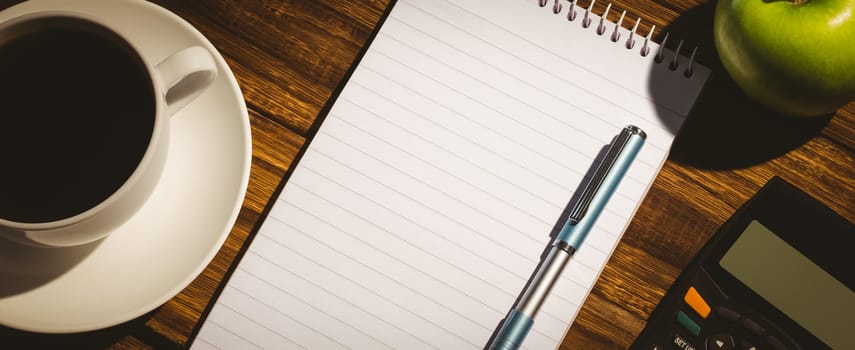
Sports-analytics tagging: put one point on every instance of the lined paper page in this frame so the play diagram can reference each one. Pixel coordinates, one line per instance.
(422, 205)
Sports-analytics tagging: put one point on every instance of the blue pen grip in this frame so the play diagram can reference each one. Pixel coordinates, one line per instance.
(513, 332)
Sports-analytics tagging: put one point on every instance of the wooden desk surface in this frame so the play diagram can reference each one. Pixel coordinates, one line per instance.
(289, 56)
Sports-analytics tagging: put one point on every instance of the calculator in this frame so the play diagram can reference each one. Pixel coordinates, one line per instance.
(778, 275)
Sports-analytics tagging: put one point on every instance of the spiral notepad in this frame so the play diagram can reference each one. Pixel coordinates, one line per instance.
(424, 200)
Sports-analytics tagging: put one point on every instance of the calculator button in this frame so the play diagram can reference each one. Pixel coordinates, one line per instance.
(775, 344)
(744, 345)
(681, 343)
(688, 324)
(696, 302)
(752, 327)
(727, 314)
(721, 342)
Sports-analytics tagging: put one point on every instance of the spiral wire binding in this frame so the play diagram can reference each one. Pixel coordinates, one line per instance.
(586, 22)
(630, 42)
(601, 28)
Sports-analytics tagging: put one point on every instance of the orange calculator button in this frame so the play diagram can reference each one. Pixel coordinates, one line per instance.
(696, 302)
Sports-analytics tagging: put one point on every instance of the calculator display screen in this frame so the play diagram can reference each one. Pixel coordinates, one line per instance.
(795, 285)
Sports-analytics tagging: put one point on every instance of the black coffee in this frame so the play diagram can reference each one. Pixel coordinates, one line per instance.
(76, 116)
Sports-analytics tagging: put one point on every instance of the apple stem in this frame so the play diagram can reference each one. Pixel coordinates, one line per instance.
(798, 2)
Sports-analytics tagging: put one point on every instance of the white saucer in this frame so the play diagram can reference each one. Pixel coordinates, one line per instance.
(152, 257)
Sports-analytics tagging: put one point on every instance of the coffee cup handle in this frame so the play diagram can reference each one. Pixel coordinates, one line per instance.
(185, 75)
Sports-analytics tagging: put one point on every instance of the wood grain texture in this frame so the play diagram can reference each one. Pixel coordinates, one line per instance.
(289, 56)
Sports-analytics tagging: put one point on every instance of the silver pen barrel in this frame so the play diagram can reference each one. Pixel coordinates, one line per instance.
(545, 277)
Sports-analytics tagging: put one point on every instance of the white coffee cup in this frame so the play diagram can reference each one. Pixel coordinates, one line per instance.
(172, 84)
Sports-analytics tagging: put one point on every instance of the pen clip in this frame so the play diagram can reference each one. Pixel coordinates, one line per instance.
(591, 188)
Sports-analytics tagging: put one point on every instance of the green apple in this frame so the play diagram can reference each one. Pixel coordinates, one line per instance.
(795, 57)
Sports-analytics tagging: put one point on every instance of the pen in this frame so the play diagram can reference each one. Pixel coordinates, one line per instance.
(583, 215)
